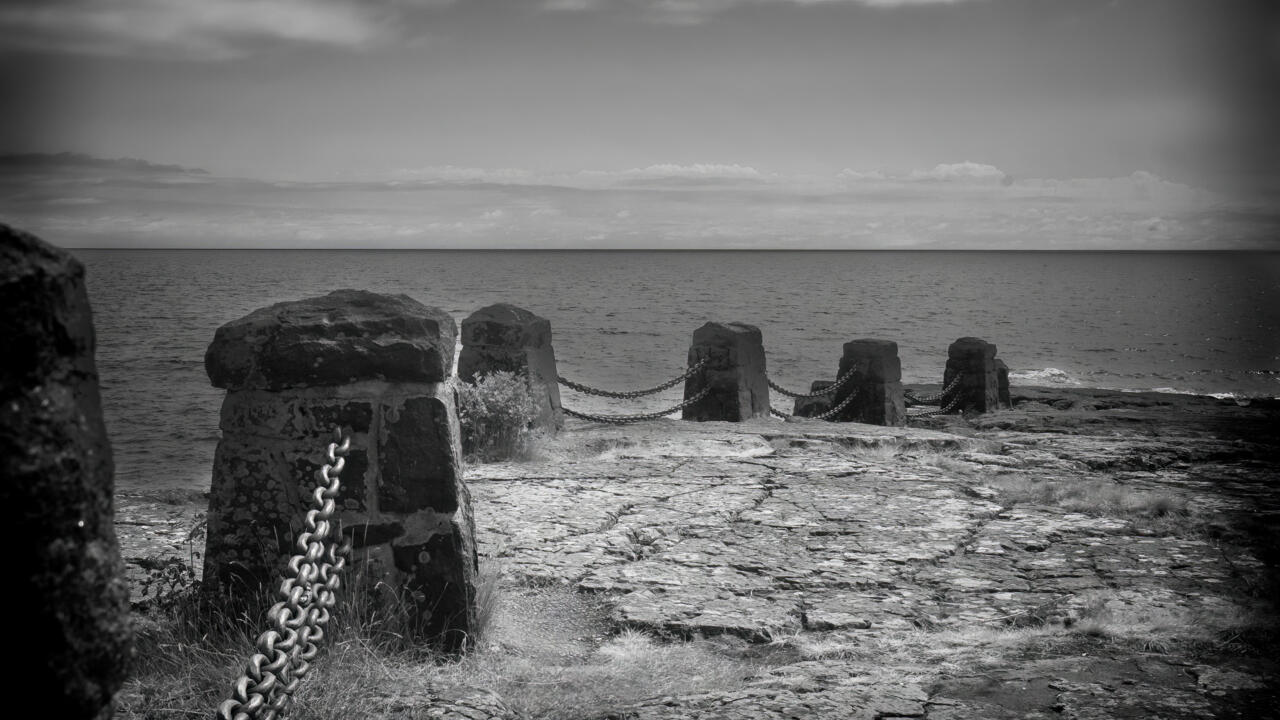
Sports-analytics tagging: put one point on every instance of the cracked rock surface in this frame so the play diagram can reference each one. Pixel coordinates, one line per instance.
(922, 573)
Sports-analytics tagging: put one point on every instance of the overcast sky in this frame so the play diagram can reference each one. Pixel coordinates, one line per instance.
(625, 104)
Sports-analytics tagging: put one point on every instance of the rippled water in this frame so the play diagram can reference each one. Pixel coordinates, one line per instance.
(1206, 323)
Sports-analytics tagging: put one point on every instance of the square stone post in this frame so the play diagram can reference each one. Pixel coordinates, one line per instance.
(979, 389)
(508, 338)
(876, 383)
(378, 367)
(735, 373)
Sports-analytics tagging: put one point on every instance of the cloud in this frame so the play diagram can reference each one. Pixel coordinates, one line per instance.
(963, 171)
(199, 29)
(952, 205)
(851, 175)
(659, 175)
(692, 12)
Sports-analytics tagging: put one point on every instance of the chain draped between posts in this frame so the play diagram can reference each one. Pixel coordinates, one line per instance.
(286, 649)
(913, 399)
(910, 398)
(833, 387)
(638, 417)
(824, 415)
(633, 394)
(945, 409)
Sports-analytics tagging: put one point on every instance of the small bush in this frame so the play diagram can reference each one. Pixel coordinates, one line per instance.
(496, 413)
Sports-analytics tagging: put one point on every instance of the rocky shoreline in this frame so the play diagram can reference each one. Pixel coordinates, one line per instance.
(1085, 554)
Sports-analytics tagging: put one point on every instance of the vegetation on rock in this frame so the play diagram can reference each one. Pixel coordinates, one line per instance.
(496, 413)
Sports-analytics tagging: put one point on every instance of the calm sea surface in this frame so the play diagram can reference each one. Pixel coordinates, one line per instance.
(1204, 323)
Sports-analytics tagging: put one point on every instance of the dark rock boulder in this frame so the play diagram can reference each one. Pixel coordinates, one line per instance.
(69, 609)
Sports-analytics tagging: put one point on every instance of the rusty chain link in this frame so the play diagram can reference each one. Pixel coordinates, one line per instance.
(633, 394)
(639, 417)
(286, 649)
(817, 394)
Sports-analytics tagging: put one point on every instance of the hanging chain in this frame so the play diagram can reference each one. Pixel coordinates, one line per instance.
(632, 394)
(955, 402)
(816, 394)
(930, 399)
(285, 651)
(824, 415)
(624, 419)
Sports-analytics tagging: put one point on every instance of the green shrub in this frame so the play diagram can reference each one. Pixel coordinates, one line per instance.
(496, 413)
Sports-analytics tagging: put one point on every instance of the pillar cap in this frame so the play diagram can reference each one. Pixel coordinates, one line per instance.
(967, 346)
(342, 337)
(714, 333)
(507, 325)
(871, 346)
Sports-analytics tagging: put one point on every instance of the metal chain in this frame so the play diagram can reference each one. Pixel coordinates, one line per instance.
(822, 416)
(835, 410)
(632, 394)
(930, 399)
(624, 419)
(820, 393)
(955, 402)
(285, 651)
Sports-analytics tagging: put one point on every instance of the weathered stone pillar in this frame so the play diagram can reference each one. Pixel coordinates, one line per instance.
(505, 337)
(377, 366)
(979, 388)
(735, 372)
(1002, 384)
(876, 384)
(68, 624)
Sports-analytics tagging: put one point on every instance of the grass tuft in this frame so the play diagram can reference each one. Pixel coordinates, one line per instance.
(1156, 513)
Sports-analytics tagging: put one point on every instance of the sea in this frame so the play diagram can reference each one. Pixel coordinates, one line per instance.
(1203, 323)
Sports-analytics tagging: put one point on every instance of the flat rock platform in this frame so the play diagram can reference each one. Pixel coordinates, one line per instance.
(1087, 554)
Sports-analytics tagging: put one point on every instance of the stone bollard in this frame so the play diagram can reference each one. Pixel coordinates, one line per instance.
(505, 337)
(69, 626)
(377, 366)
(735, 372)
(1002, 384)
(979, 388)
(877, 383)
(808, 407)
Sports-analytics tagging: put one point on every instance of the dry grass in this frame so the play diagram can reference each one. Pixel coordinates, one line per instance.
(1156, 513)
(545, 653)
(1147, 627)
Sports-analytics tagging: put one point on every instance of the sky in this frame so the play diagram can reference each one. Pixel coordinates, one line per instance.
(1036, 124)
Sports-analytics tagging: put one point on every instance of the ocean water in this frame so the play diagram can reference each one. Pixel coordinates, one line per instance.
(1205, 323)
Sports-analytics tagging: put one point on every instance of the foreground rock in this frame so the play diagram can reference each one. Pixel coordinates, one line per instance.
(69, 607)
(1084, 555)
